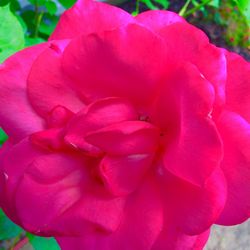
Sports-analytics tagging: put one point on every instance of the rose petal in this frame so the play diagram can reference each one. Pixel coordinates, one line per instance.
(128, 137)
(196, 150)
(51, 184)
(117, 62)
(122, 175)
(190, 208)
(172, 238)
(193, 46)
(143, 211)
(88, 16)
(48, 87)
(235, 132)
(97, 115)
(238, 85)
(158, 19)
(17, 116)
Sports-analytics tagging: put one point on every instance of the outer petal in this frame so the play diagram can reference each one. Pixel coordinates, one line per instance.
(235, 132)
(88, 16)
(191, 209)
(158, 19)
(196, 150)
(193, 46)
(17, 116)
(48, 87)
(140, 227)
(173, 238)
(56, 194)
(127, 62)
(238, 85)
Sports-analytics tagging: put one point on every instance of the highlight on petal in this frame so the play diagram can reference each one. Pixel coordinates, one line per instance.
(158, 19)
(88, 16)
(17, 117)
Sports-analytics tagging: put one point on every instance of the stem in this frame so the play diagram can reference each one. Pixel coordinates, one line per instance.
(21, 244)
(137, 4)
(38, 22)
(38, 19)
(184, 8)
(190, 12)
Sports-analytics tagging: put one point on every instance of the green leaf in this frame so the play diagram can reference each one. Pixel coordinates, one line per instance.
(67, 3)
(215, 3)
(48, 24)
(3, 137)
(51, 7)
(42, 243)
(11, 33)
(244, 6)
(8, 229)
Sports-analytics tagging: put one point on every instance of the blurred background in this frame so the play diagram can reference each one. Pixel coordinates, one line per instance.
(28, 22)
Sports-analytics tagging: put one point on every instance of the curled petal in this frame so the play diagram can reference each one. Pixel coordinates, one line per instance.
(99, 114)
(193, 46)
(125, 138)
(46, 76)
(196, 150)
(122, 175)
(17, 116)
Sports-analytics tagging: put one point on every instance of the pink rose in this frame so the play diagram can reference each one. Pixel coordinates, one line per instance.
(125, 133)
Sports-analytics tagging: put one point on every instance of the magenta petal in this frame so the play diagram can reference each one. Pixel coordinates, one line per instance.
(158, 19)
(193, 46)
(58, 181)
(196, 150)
(46, 76)
(17, 116)
(125, 138)
(139, 228)
(194, 209)
(95, 212)
(172, 238)
(99, 114)
(238, 85)
(122, 175)
(117, 62)
(235, 132)
(88, 16)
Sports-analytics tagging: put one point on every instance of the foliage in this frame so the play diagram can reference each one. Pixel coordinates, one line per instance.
(13, 38)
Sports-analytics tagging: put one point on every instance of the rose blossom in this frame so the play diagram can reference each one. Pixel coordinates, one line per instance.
(125, 133)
